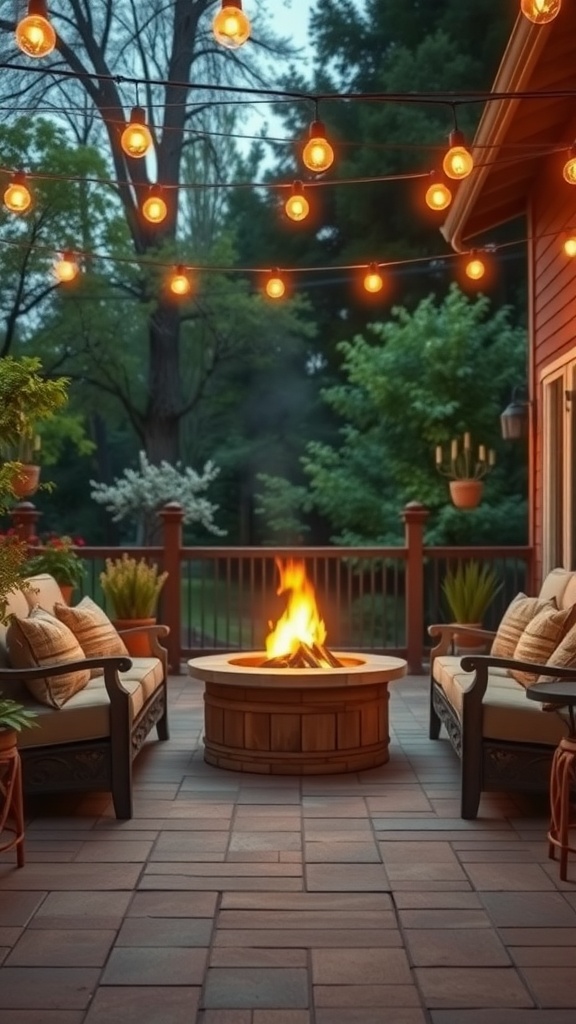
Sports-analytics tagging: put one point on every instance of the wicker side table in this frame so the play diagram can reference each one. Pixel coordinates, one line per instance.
(11, 800)
(563, 771)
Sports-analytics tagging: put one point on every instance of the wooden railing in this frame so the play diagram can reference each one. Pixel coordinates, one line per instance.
(378, 599)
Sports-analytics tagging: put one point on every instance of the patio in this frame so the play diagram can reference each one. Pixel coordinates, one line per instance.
(245, 899)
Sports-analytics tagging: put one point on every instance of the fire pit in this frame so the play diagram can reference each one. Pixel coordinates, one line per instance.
(299, 720)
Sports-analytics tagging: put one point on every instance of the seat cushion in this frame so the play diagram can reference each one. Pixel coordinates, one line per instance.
(518, 614)
(92, 629)
(41, 640)
(540, 638)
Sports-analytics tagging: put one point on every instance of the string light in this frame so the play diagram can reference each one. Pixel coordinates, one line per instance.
(154, 207)
(297, 206)
(475, 267)
(373, 281)
(275, 285)
(179, 283)
(136, 139)
(569, 169)
(34, 33)
(231, 27)
(540, 11)
(318, 154)
(458, 162)
(438, 194)
(66, 267)
(17, 196)
(569, 246)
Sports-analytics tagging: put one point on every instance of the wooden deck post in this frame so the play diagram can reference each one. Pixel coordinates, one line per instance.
(25, 515)
(414, 516)
(172, 517)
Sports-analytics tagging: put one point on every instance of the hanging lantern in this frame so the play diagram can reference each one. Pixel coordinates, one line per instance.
(569, 246)
(318, 154)
(231, 27)
(373, 281)
(34, 33)
(569, 169)
(180, 284)
(136, 139)
(458, 162)
(475, 267)
(297, 206)
(438, 194)
(154, 207)
(66, 267)
(540, 11)
(17, 196)
(275, 286)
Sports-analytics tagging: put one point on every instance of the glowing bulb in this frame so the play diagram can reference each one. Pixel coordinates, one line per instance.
(231, 27)
(66, 268)
(569, 170)
(373, 282)
(458, 162)
(540, 11)
(17, 197)
(154, 208)
(475, 268)
(297, 206)
(136, 139)
(570, 246)
(34, 33)
(318, 154)
(438, 195)
(275, 287)
(180, 284)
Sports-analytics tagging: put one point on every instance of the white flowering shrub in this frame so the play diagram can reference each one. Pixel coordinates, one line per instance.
(140, 493)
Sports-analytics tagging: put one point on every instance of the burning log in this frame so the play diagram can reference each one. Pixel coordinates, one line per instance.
(305, 656)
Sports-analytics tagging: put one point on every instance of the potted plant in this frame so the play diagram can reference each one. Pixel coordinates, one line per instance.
(13, 718)
(58, 557)
(132, 586)
(465, 470)
(469, 590)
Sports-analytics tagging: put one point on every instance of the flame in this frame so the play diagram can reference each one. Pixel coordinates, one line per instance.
(300, 623)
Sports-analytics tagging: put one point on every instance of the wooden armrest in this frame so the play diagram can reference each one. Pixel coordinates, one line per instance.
(445, 631)
(116, 664)
(475, 662)
(151, 631)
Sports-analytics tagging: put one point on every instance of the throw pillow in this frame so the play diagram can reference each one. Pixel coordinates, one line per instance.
(40, 640)
(92, 629)
(540, 638)
(514, 621)
(564, 655)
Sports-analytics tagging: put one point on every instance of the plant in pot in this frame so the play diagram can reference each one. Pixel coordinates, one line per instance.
(469, 590)
(132, 586)
(13, 718)
(465, 470)
(58, 557)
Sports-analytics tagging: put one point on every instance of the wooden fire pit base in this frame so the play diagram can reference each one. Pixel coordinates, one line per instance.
(296, 721)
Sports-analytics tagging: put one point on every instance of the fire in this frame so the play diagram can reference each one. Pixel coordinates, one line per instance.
(301, 622)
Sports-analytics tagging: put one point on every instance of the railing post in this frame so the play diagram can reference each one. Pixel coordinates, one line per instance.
(24, 516)
(414, 515)
(172, 517)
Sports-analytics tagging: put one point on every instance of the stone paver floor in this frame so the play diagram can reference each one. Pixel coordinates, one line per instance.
(245, 899)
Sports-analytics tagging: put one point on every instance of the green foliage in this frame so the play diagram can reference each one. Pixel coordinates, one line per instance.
(469, 590)
(59, 558)
(132, 586)
(281, 506)
(15, 716)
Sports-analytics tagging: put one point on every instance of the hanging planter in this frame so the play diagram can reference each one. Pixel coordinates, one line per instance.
(25, 480)
(466, 493)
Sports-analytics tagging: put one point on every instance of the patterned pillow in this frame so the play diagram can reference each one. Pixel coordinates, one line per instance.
(514, 621)
(39, 640)
(540, 638)
(564, 655)
(92, 629)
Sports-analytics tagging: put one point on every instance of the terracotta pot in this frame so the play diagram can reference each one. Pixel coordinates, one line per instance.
(468, 644)
(66, 589)
(8, 738)
(26, 480)
(139, 644)
(466, 493)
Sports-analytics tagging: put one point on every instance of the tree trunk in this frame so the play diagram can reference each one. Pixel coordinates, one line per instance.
(161, 425)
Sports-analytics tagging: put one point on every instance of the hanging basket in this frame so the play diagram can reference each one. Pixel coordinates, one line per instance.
(25, 480)
(466, 493)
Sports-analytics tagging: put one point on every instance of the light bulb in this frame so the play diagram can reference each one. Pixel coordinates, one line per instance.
(17, 197)
(66, 268)
(569, 169)
(540, 11)
(475, 268)
(136, 139)
(154, 207)
(438, 195)
(458, 162)
(231, 27)
(275, 287)
(373, 282)
(34, 33)
(318, 154)
(180, 284)
(297, 206)
(570, 246)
